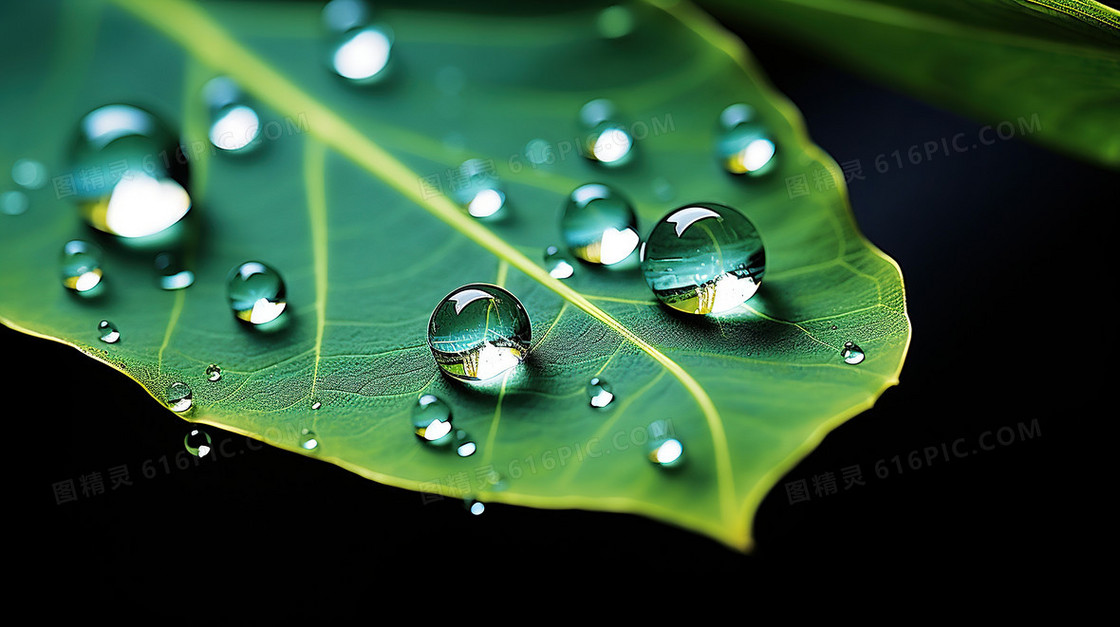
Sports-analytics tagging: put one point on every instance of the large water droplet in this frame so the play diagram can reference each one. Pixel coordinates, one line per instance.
(108, 332)
(256, 293)
(170, 272)
(308, 441)
(14, 203)
(235, 126)
(213, 373)
(179, 397)
(557, 263)
(431, 421)
(478, 332)
(359, 50)
(599, 225)
(663, 449)
(608, 143)
(600, 392)
(704, 258)
(128, 173)
(744, 145)
(852, 354)
(81, 267)
(476, 188)
(29, 174)
(198, 443)
(464, 444)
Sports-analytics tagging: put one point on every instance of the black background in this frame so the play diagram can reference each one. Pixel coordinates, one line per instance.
(991, 250)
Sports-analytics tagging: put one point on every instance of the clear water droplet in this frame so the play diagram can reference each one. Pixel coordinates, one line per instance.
(704, 258)
(663, 449)
(599, 225)
(476, 508)
(431, 421)
(256, 293)
(235, 126)
(129, 174)
(213, 373)
(852, 354)
(834, 327)
(179, 397)
(609, 143)
(81, 267)
(359, 50)
(557, 263)
(600, 392)
(744, 145)
(198, 443)
(14, 203)
(108, 332)
(614, 22)
(29, 174)
(316, 405)
(308, 441)
(170, 272)
(476, 188)
(479, 332)
(464, 444)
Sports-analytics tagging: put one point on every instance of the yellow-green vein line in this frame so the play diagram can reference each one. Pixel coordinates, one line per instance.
(503, 270)
(314, 178)
(193, 29)
(176, 309)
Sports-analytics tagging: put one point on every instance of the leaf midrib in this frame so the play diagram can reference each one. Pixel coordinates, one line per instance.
(198, 35)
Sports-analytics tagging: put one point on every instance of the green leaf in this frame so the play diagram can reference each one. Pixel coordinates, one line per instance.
(334, 200)
(1050, 68)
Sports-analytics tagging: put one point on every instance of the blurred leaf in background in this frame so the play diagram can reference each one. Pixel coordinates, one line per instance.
(1054, 64)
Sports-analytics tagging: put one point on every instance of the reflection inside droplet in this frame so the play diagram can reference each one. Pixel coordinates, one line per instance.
(362, 54)
(235, 128)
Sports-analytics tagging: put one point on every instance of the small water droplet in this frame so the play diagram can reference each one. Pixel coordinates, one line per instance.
(834, 327)
(599, 225)
(14, 203)
(431, 421)
(744, 145)
(359, 50)
(316, 405)
(129, 173)
(213, 373)
(170, 272)
(600, 392)
(557, 263)
(256, 293)
(464, 444)
(198, 442)
(179, 397)
(475, 507)
(480, 191)
(663, 189)
(663, 449)
(81, 267)
(308, 441)
(704, 258)
(539, 152)
(608, 143)
(235, 126)
(851, 353)
(29, 174)
(478, 332)
(614, 22)
(108, 332)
